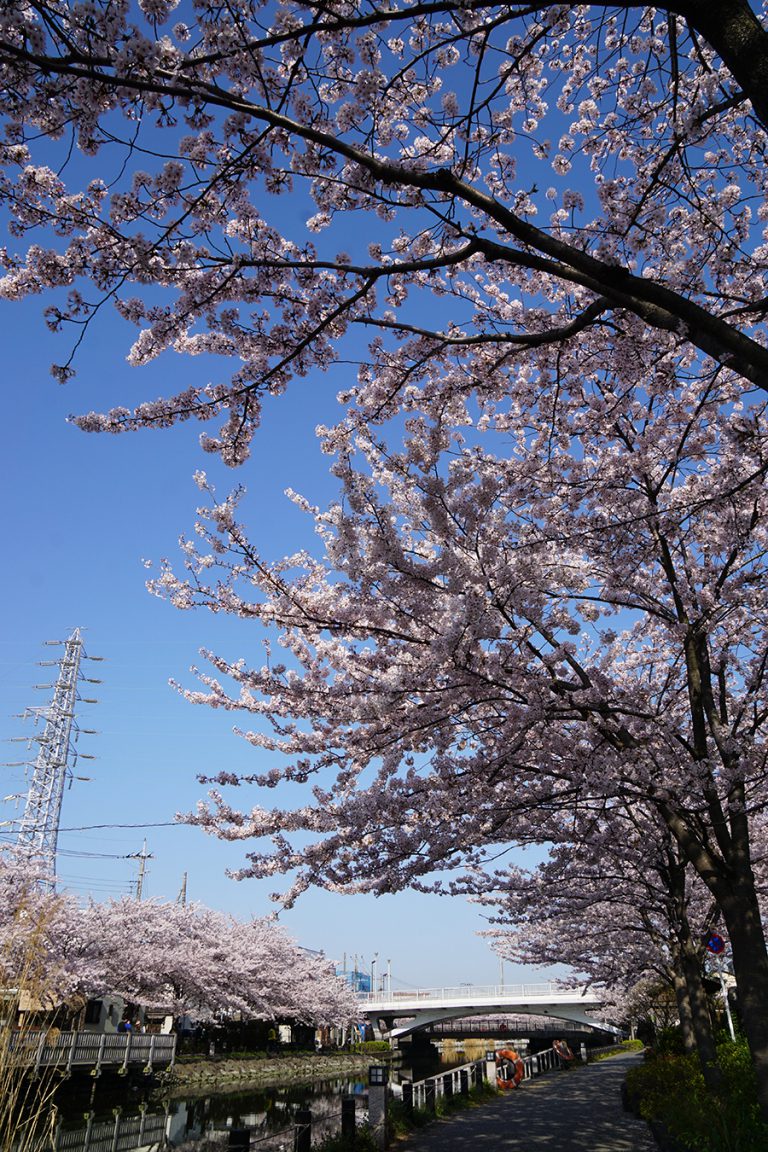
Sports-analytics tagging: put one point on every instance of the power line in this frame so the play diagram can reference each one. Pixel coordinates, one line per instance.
(91, 883)
(93, 827)
(162, 824)
(95, 855)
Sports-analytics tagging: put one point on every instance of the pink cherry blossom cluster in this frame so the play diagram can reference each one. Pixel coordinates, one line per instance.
(183, 959)
(553, 172)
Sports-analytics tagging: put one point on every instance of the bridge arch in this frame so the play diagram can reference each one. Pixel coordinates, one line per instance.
(420, 1008)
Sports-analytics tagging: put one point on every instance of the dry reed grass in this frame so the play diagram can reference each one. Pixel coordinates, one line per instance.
(27, 1107)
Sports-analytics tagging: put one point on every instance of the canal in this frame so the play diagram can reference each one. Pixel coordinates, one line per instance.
(109, 1116)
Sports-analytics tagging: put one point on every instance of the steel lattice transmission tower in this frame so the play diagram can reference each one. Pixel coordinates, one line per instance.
(57, 754)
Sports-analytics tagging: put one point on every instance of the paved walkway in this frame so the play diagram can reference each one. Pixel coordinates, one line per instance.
(576, 1111)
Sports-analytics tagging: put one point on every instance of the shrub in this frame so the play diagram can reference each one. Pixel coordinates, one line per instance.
(669, 1042)
(362, 1141)
(671, 1090)
(606, 1053)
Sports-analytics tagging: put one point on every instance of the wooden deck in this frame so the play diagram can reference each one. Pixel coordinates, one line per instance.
(115, 1051)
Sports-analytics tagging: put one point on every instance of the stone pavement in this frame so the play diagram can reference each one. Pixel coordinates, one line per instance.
(576, 1111)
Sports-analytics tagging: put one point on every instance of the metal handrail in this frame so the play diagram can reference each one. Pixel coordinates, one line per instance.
(513, 1022)
(476, 992)
(474, 1069)
(535, 1065)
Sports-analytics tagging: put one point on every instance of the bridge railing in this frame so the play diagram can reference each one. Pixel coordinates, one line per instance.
(516, 1025)
(475, 992)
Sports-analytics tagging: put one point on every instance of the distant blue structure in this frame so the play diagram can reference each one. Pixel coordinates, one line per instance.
(358, 981)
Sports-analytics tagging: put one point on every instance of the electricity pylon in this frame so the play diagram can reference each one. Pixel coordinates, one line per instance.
(55, 760)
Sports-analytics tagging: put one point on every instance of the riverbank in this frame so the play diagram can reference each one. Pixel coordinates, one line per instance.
(224, 1074)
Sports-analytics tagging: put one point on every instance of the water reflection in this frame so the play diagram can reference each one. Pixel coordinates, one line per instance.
(420, 1059)
(188, 1121)
(118, 1123)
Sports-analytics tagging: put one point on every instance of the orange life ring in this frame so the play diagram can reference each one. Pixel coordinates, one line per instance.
(509, 1056)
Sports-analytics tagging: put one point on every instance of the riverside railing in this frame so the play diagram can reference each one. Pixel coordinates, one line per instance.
(132, 1133)
(425, 1093)
(52, 1048)
(122, 1134)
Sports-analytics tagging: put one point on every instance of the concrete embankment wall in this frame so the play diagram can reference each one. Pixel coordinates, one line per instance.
(221, 1074)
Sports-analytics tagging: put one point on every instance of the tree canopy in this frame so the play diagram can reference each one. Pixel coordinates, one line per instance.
(183, 959)
(539, 230)
(540, 176)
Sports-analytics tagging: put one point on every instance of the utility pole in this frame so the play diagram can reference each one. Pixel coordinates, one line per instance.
(142, 857)
(56, 757)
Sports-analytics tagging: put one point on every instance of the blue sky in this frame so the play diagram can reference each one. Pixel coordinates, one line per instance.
(81, 513)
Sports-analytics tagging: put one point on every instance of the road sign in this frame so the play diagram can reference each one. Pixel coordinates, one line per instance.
(714, 943)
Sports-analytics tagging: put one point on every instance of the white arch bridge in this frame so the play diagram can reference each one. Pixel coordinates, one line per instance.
(399, 1013)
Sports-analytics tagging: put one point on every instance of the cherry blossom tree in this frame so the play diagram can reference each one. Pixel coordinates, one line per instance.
(184, 958)
(496, 637)
(551, 592)
(540, 175)
(615, 901)
(196, 960)
(192, 959)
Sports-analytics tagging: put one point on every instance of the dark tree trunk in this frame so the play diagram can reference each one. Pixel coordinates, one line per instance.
(735, 32)
(688, 959)
(728, 876)
(701, 1020)
(750, 965)
(684, 1012)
